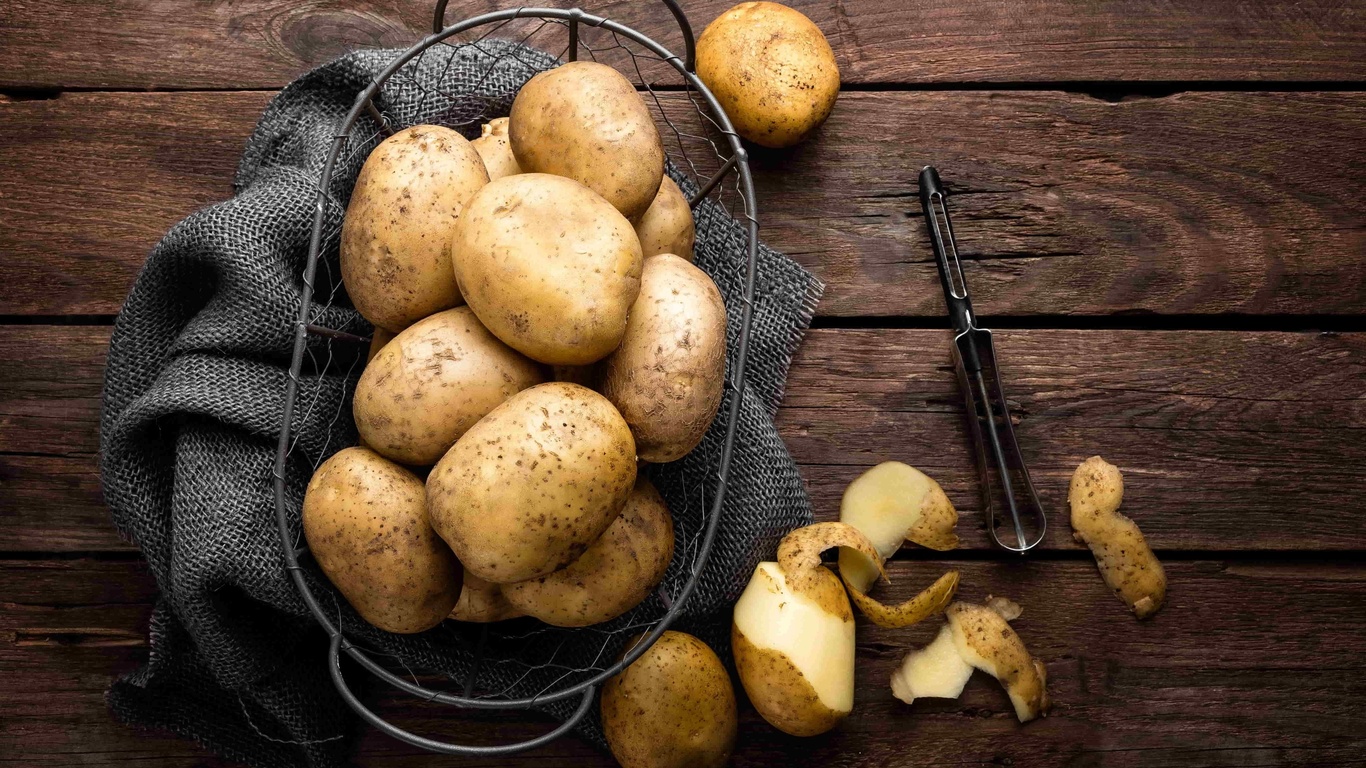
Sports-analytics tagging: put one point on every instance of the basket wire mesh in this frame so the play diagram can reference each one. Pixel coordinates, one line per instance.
(707, 159)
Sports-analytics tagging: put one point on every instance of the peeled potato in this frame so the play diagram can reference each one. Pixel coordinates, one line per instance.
(495, 149)
(673, 708)
(407, 199)
(585, 121)
(772, 71)
(667, 225)
(531, 485)
(793, 634)
(614, 575)
(365, 521)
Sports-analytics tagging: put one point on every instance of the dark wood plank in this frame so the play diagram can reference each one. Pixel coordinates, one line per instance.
(1223, 437)
(1246, 665)
(1195, 204)
(265, 43)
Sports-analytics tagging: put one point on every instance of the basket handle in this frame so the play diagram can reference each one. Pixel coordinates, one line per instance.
(689, 42)
(442, 747)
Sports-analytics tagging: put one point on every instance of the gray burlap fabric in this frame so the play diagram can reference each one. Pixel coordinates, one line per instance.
(192, 411)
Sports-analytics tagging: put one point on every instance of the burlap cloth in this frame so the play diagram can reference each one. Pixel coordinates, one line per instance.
(193, 400)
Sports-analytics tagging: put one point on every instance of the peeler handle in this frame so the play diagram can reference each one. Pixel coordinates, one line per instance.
(950, 269)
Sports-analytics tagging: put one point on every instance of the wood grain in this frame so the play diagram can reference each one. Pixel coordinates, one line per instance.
(266, 43)
(1197, 204)
(1246, 665)
(1228, 441)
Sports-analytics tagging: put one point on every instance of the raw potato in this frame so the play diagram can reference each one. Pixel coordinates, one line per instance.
(495, 149)
(395, 237)
(772, 71)
(482, 602)
(365, 520)
(667, 378)
(377, 341)
(975, 637)
(549, 267)
(432, 383)
(893, 503)
(667, 225)
(585, 121)
(530, 486)
(674, 707)
(614, 575)
(793, 634)
(1126, 562)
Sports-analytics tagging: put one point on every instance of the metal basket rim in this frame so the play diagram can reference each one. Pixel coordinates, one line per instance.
(738, 162)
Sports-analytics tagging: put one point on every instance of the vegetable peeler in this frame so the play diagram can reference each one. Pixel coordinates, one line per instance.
(979, 377)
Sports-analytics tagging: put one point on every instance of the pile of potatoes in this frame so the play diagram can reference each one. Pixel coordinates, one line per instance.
(540, 330)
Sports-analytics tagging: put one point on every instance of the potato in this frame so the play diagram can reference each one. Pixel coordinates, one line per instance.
(674, 707)
(365, 521)
(495, 149)
(614, 575)
(793, 634)
(531, 485)
(976, 636)
(667, 378)
(431, 383)
(585, 121)
(395, 237)
(482, 602)
(549, 267)
(1126, 562)
(667, 225)
(771, 69)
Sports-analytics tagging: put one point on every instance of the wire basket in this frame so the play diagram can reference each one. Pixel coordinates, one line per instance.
(705, 157)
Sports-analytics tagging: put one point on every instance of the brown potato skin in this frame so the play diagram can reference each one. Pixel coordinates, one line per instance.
(673, 708)
(549, 267)
(531, 485)
(776, 688)
(667, 377)
(432, 382)
(482, 602)
(495, 149)
(771, 69)
(365, 521)
(395, 237)
(614, 575)
(585, 121)
(667, 225)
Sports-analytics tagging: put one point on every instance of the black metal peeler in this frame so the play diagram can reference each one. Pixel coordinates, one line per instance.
(980, 379)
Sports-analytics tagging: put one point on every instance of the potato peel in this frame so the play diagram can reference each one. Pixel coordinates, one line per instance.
(935, 528)
(932, 600)
(799, 553)
(1126, 562)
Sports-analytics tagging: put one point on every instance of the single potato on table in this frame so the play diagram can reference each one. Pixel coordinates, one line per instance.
(395, 240)
(549, 267)
(585, 121)
(530, 486)
(673, 708)
(365, 520)
(432, 382)
(772, 71)
(668, 375)
(615, 574)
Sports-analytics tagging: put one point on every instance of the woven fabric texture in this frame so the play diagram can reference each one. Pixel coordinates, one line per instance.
(193, 402)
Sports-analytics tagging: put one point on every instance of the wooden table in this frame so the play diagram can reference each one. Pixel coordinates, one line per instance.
(1162, 203)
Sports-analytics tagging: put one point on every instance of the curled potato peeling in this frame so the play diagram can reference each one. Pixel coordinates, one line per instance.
(799, 553)
(975, 637)
(893, 503)
(1126, 562)
(924, 605)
